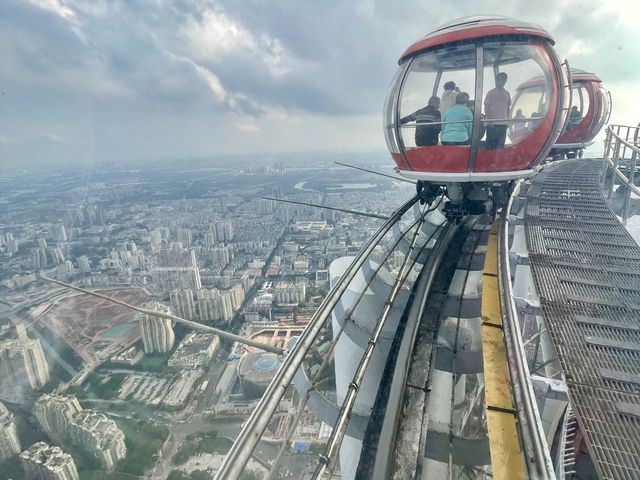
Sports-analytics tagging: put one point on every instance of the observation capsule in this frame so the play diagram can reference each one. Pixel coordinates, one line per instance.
(449, 117)
(590, 111)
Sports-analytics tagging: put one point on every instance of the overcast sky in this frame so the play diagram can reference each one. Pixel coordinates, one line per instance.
(94, 80)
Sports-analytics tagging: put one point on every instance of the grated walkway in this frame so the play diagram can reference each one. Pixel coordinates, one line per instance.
(586, 269)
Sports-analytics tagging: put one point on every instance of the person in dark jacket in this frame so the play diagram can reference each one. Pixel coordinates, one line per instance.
(426, 134)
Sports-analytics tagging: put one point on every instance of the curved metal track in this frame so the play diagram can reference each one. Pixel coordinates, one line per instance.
(243, 447)
(433, 389)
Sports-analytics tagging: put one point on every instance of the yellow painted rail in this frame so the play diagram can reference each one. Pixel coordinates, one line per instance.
(506, 458)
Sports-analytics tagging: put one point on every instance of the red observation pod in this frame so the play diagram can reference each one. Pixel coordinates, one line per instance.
(590, 111)
(449, 109)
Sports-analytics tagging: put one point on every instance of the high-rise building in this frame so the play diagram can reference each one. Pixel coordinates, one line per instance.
(55, 414)
(58, 233)
(288, 292)
(39, 258)
(183, 303)
(184, 236)
(214, 306)
(237, 296)
(226, 307)
(209, 239)
(9, 441)
(63, 419)
(56, 255)
(34, 359)
(13, 245)
(84, 265)
(176, 257)
(265, 207)
(157, 333)
(224, 231)
(21, 355)
(220, 256)
(100, 437)
(42, 461)
(171, 278)
(5, 238)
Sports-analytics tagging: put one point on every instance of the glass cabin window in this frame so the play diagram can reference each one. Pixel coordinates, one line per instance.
(424, 102)
(580, 105)
(600, 110)
(516, 84)
(389, 113)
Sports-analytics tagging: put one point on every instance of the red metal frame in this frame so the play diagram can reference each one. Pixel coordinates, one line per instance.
(472, 33)
(516, 157)
(583, 131)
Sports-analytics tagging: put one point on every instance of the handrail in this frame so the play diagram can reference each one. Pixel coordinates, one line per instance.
(242, 449)
(615, 151)
(329, 457)
(531, 430)
(633, 146)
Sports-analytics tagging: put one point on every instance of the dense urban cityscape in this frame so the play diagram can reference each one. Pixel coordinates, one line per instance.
(94, 390)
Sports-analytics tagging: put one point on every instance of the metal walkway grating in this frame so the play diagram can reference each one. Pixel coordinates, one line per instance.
(586, 269)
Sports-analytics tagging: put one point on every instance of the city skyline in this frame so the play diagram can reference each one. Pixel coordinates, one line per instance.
(201, 244)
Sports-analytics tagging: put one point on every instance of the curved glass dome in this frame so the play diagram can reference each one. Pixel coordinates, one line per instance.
(590, 110)
(459, 112)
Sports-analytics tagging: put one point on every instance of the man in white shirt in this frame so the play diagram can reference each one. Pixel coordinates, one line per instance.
(497, 107)
(449, 95)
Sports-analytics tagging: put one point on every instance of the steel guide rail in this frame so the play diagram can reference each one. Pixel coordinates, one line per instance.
(530, 430)
(349, 318)
(392, 417)
(329, 458)
(242, 449)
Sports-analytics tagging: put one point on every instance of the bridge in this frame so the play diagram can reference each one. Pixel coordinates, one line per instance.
(506, 346)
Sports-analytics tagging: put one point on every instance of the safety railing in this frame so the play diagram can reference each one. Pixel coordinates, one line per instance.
(621, 154)
(312, 416)
(531, 432)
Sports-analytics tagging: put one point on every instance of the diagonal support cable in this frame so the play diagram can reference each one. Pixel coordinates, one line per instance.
(326, 207)
(400, 179)
(189, 323)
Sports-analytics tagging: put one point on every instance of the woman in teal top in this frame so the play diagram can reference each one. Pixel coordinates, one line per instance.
(458, 133)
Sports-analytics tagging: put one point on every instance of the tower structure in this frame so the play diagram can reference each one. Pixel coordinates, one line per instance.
(157, 333)
(55, 414)
(43, 461)
(9, 441)
(183, 303)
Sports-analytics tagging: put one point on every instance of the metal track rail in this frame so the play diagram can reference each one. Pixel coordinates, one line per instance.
(530, 429)
(328, 354)
(242, 449)
(329, 458)
(392, 417)
(437, 360)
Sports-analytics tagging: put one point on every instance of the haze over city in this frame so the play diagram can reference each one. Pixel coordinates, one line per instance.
(302, 240)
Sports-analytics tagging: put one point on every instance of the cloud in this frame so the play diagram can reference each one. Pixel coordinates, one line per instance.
(54, 6)
(3, 140)
(247, 127)
(142, 79)
(54, 137)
